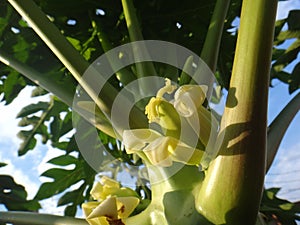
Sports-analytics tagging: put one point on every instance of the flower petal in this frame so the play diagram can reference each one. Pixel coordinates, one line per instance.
(137, 139)
(157, 151)
(97, 191)
(108, 182)
(98, 221)
(107, 187)
(107, 208)
(185, 154)
(188, 98)
(185, 105)
(126, 206)
(88, 207)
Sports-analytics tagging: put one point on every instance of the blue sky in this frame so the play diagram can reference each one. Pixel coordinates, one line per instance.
(284, 173)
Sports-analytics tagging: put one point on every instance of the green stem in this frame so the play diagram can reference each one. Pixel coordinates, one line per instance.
(279, 126)
(133, 26)
(123, 75)
(168, 189)
(143, 69)
(25, 218)
(210, 50)
(231, 191)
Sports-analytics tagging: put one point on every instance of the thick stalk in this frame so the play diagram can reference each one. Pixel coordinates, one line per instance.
(231, 191)
(172, 199)
(210, 50)
(143, 69)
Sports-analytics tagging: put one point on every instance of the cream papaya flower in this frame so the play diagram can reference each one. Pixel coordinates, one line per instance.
(188, 98)
(188, 101)
(160, 150)
(184, 120)
(111, 211)
(108, 187)
(113, 204)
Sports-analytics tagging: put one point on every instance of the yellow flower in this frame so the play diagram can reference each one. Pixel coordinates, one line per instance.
(111, 211)
(189, 98)
(106, 188)
(185, 122)
(114, 203)
(188, 101)
(160, 150)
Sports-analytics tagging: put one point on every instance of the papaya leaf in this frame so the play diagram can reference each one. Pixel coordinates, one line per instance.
(295, 81)
(28, 143)
(70, 210)
(63, 179)
(38, 91)
(63, 160)
(70, 197)
(55, 127)
(33, 108)
(26, 121)
(14, 196)
(293, 20)
(12, 86)
(279, 210)
(38, 126)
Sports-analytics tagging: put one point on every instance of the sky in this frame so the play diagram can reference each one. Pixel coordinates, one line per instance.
(285, 172)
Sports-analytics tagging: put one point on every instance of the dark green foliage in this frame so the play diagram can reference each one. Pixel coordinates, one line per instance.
(14, 196)
(286, 57)
(279, 210)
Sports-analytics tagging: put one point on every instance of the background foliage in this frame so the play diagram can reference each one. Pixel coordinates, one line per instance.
(94, 27)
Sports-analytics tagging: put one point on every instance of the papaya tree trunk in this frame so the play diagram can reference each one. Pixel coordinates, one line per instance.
(231, 191)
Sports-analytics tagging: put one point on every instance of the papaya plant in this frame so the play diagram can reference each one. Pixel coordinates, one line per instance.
(200, 167)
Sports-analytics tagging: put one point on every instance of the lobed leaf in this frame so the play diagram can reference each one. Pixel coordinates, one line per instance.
(63, 160)
(33, 108)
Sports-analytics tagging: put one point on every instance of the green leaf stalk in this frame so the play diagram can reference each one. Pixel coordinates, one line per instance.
(232, 188)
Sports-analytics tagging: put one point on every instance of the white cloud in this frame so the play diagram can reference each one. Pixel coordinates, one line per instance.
(20, 176)
(285, 173)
